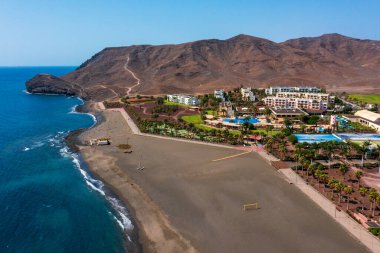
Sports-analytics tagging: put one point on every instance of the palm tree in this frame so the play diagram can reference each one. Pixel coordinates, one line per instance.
(372, 193)
(302, 128)
(378, 199)
(328, 149)
(324, 178)
(311, 169)
(318, 174)
(343, 168)
(282, 149)
(332, 182)
(339, 186)
(358, 175)
(267, 112)
(298, 152)
(348, 190)
(269, 143)
(268, 128)
(363, 191)
(362, 150)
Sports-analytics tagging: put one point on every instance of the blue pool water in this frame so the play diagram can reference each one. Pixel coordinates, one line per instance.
(312, 138)
(360, 136)
(241, 120)
(49, 201)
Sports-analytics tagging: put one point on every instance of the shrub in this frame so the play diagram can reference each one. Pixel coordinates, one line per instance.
(293, 139)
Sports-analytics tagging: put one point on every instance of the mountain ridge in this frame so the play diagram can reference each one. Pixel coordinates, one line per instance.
(333, 61)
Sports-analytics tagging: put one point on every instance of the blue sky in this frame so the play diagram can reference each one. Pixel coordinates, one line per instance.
(67, 32)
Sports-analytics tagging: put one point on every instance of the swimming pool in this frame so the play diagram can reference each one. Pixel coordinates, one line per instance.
(312, 138)
(360, 136)
(241, 120)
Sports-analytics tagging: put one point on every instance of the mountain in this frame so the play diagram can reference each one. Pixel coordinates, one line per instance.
(334, 61)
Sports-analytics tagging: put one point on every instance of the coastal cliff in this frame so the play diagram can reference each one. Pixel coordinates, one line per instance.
(333, 61)
(49, 84)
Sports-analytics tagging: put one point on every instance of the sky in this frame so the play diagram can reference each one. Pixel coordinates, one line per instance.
(67, 32)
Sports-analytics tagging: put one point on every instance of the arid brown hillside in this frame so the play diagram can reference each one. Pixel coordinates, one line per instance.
(334, 61)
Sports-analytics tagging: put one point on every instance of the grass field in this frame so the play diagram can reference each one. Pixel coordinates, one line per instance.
(262, 131)
(210, 112)
(366, 98)
(195, 119)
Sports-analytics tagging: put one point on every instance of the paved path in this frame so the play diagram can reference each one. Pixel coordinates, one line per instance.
(128, 119)
(351, 104)
(355, 229)
(267, 157)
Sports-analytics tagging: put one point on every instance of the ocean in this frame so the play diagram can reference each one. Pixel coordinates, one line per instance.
(48, 200)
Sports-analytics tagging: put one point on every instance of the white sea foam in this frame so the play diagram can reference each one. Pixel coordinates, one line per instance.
(121, 216)
(74, 111)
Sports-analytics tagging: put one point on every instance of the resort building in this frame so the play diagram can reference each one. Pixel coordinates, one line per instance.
(219, 94)
(274, 90)
(301, 100)
(183, 99)
(247, 94)
(365, 117)
(226, 109)
(287, 112)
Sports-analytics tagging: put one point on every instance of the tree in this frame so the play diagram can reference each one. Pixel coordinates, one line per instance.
(288, 123)
(331, 184)
(282, 148)
(372, 193)
(363, 191)
(267, 112)
(328, 148)
(160, 100)
(358, 175)
(343, 168)
(269, 143)
(348, 190)
(318, 174)
(268, 128)
(324, 178)
(339, 186)
(311, 169)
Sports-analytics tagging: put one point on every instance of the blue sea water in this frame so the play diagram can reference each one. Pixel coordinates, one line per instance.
(48, 201)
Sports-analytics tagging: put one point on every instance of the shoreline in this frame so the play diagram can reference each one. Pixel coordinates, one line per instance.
(153, 230)
(105, 164)
(132, 240)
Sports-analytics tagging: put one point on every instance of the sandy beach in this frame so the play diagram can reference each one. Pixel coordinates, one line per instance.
(188, 199)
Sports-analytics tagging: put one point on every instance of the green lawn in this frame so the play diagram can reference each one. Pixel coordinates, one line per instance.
(195, 119)
(262, 131)
(361, 142)
(166, 102)
(366, 98)
(210, 112)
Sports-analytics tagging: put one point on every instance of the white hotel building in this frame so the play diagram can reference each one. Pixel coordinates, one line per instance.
(301, 100)
(184, 99)
(274, 90)
(247, 94)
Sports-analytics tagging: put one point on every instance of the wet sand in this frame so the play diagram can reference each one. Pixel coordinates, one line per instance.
(185, 202)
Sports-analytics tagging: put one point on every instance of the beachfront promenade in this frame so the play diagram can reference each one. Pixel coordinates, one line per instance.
(271, 188)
